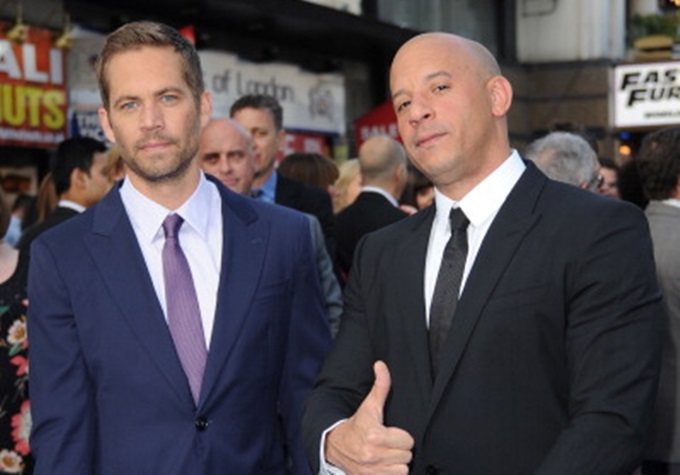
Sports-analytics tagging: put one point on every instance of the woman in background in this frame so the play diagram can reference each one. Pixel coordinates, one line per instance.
(15, 416)
(347, 186)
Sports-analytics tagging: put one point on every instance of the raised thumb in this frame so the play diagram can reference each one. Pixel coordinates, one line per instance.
(381, 388)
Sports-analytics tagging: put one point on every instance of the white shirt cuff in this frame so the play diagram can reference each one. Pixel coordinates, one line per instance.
(324, 467)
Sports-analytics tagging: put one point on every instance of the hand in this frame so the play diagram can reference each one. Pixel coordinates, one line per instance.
(362, 444)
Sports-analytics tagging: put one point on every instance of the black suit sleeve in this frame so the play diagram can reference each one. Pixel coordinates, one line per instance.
(612, 349)
(346, 377)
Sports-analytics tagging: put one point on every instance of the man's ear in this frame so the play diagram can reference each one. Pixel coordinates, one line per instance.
(500, 92)
(78, 179)
(281, 139)
(205, 108)
(106, 124)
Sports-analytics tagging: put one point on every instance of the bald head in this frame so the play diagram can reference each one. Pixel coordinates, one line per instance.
(451, 103)
(226, 152)
(382, 161)
(472, 54)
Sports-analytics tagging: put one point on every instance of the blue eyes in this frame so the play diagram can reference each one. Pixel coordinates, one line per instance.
(166, 99)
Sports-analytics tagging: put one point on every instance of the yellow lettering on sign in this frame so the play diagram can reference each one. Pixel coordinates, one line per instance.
(34, 107)
(54, 102)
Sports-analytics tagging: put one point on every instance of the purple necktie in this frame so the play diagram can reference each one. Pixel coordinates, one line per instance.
(184, 315)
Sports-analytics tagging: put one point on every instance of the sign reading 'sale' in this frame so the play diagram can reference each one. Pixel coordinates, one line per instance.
(33, 98)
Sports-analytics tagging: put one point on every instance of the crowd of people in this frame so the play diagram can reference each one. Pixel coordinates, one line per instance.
(440, 304)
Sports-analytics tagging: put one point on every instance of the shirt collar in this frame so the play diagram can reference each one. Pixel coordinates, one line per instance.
(269, 187)
(672, 202)
(147, 216)
(485, 199)
(375, 189)
(71, 205)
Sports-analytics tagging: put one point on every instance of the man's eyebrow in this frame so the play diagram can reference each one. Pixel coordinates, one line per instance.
(429, 77)
(126, 98)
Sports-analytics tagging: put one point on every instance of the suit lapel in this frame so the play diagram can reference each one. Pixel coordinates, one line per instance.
(512, 223)
(245, 240)
(114, 248)
(409, 301)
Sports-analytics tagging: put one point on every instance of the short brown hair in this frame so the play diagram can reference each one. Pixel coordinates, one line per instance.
(138, 34)
(311, 168)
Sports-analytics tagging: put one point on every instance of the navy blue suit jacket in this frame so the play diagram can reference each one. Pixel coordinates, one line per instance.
(108, 392)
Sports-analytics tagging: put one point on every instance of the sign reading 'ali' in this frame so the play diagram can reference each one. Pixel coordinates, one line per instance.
(33, 98)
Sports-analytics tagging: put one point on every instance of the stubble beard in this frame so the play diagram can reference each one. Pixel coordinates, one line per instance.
(162, 169)
(156, 175)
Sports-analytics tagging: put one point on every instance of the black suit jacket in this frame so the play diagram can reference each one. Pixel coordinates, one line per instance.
(311, 200)
(552, 360)
(58, 216)
(369, 212)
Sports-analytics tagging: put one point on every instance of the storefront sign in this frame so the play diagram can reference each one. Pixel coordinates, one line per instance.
(312, 102)
(646, 94)
(379, 121)
(309, 143)
(33, 101)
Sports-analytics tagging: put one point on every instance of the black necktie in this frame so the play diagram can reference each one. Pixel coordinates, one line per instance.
(447, 288)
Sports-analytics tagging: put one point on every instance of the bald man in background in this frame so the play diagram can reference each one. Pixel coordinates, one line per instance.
(382, 161)
(226, 152)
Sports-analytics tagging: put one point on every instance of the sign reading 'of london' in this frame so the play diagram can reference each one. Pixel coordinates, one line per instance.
(647, 94)
(313, 102)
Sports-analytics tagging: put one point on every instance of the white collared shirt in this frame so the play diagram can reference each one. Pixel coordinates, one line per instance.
(481, 206)
(672, 202)
(71, 205)
(200, 237)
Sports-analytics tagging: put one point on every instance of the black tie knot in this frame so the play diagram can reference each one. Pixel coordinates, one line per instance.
(459, 222)
(171, 225)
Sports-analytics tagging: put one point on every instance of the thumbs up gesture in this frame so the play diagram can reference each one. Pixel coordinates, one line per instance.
(362, 444)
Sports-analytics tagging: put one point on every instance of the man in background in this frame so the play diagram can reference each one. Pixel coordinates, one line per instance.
(262, 117)
(568, 158)
(226, 152)
(382, 164)
(659, 167)
(80, 181)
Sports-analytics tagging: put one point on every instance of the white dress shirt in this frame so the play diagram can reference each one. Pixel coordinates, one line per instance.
(200, 238)
(480, 205)
(71, 205)
(672, 202)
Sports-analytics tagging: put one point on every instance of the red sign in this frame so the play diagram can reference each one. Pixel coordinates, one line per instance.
(379, 121)
(33, 99)
(297, 142)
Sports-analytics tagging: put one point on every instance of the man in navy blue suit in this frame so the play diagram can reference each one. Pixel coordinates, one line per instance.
(161, 342)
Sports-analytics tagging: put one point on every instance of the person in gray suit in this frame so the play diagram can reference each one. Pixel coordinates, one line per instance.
(659, 168)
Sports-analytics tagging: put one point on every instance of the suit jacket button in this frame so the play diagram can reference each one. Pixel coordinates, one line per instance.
(201, 423)
(431, 470)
